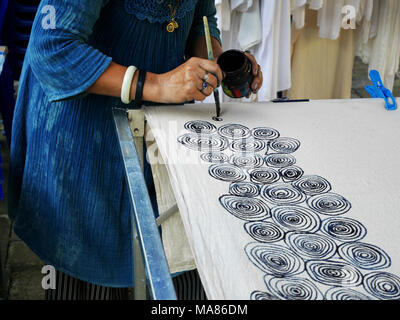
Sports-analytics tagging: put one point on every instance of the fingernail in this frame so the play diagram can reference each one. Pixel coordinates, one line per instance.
(255, 87)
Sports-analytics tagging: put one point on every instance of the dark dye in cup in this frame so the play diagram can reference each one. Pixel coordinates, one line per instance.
(238, 73)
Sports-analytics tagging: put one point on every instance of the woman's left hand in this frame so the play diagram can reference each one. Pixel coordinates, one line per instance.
(258, 77)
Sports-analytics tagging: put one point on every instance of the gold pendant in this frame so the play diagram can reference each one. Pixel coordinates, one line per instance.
(170, 27)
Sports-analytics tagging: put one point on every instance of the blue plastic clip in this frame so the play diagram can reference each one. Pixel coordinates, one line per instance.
(378, 90)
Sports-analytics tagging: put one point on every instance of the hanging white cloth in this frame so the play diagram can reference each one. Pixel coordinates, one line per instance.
(298, 9)
(273, 54)
(223, 14)
(379, 42)
(330, 19)
(250, 27)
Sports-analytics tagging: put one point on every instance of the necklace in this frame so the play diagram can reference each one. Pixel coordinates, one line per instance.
(172, 25)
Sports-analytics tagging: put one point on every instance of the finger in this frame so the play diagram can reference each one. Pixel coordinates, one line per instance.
(210, 67)
(199, 96)
(204, 88)
(253, 63)
(211, 80)
(257, 82)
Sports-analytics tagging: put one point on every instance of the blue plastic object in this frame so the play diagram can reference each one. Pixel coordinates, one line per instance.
(378, 90)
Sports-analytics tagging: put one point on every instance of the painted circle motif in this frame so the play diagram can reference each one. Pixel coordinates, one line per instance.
(202, 142)
(264, 231)
(312, 185)
(264, 176)
(293, 288)
(334, 273)
(282, 194)
(284, 145)
(279, 160)
(296, 218)
(310, 245)
(330, 204)
(265, 133)
(200, 126)
(365, 256)
(274, 259)
(214, 157)
(227, 172)
(244, 189)
(345, 294)
(243, 146)
(234, 131)
(382, 285)
(249, 209)
(290, 174)
(344, 229)
(247, 161)
(261, 295)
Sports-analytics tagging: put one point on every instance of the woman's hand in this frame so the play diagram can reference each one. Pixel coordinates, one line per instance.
(258, 77)
(194, 80)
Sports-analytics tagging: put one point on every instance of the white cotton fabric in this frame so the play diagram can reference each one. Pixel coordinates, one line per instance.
(176, 245)
(333, 146)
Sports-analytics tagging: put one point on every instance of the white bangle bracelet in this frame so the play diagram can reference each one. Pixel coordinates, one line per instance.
(126, 84)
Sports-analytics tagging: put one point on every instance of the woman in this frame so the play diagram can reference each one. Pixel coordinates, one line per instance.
(67, 193)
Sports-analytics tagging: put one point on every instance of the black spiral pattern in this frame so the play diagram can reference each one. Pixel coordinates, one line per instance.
(274, 259)
(247, 161)
(244, 189)
(334, 273)
(277, 160)
(345, 294)
(293, 288)
(330, 204)
(227, 172)
(295, 225)
(234, 131)
(282, 194)
(311, 246)
(203, 142)
(264, 176)
(263, 231)
(344, 229)
(290, 174)
(214, 157)
(382, 285)
(200, 126)
(248, 209)
(313, 185)
(284, 145)
(261, 295)
(296, 218)
(265, 133)
(243, 146)
(365, 256)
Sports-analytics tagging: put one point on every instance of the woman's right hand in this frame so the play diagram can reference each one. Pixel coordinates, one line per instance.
(185, 83)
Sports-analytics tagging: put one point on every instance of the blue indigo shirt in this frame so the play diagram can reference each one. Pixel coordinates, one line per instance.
(67, 193)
